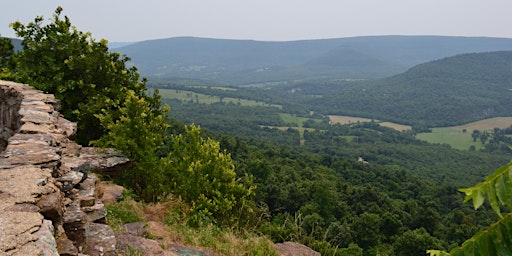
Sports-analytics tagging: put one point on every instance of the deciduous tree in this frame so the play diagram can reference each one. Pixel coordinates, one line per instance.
(80, 71)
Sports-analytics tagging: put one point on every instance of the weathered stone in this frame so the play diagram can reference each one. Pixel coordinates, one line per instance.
(70, 180)
(135, 228)
(87, 201)
(65, 247)
(17, 229)
(106, 162)
(109, 193)
(31, 153)
(126, 242)
(35, 151)
(88, 186)
(44, 139)
(71, 149)
(68, 127)
(294, 249)
(52, 206)
(37, 117)
(22, 208)
(75, 222)
(31, 128)
(100, 240)
(96, 213)
(23, 183)
(46, 241)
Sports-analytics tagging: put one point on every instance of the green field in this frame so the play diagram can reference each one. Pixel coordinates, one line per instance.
(193, 97)
(453, 137)
(296, 122)
(457, 138)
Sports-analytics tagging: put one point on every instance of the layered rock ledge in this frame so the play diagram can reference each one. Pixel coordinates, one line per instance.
(49, 203)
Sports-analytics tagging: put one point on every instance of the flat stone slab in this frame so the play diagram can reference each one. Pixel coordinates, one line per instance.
(17, 228)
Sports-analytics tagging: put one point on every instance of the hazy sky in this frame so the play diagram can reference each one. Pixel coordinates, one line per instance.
(275, 20)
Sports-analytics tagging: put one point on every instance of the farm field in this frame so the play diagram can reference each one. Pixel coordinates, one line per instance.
(487, 124)
(351, 119)
(457, 138)
(451, 136)
(193, 97)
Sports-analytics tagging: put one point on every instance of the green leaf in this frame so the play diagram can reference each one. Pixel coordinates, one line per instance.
(493, 199)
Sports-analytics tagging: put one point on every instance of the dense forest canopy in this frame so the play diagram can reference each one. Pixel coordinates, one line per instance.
(450, 91)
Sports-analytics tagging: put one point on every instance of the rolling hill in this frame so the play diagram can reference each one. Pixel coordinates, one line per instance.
(238, 62)
(449, 91)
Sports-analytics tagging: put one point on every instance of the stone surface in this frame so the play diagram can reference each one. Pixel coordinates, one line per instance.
(100, 240)
(46, 240)
(75, 223)
(96, 213)
(110, 193)
(126, 241)
(17, 229)
(51, 206)
(66, 246)
(135, 228)
(294, 249)
(70, 180)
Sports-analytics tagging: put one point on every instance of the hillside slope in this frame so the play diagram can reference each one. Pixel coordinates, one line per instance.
(245, 61)
(450, 91)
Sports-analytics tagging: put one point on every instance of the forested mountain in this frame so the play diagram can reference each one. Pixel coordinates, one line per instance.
(245, 61)
(450, 91)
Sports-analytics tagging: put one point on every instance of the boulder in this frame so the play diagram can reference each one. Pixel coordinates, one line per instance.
(135, 228)
(127, 242)
(101, 240)
(51, 206)
(294, 249)
(109, 193)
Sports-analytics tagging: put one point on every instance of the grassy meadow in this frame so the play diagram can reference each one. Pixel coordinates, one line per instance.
(352, 119)
(451, 136)
(457, 138)
(189, 96)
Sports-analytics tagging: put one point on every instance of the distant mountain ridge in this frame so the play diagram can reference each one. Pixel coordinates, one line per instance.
(245, 61)
(450, 91)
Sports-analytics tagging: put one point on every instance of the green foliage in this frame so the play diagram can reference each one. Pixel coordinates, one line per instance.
(497, 238)
(139, 133)
(121, 213)
(440, 93)
(6, 58)
(414, 242)
(82, 73)
(205, 177)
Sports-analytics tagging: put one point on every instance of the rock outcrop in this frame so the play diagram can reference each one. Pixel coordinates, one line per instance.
(49, 201)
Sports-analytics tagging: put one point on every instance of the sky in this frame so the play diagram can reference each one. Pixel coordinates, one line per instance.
(268, 20)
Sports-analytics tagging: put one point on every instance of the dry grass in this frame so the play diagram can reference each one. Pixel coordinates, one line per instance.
(347, 119)
(398, 127)
(166, 223)
(486, 125)
(351, 120)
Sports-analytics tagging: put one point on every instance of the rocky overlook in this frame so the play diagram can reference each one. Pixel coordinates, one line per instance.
(49, 202)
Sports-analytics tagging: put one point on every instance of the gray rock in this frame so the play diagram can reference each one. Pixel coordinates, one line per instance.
(75, 224)
(135, 228)
(100, 240)
(46, 240)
